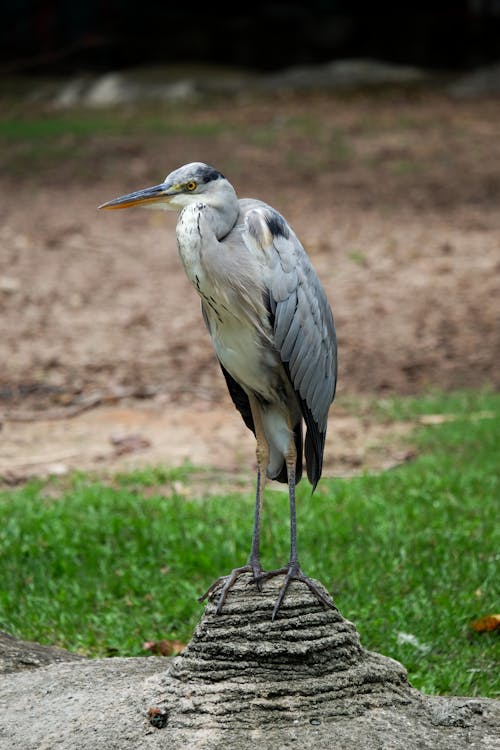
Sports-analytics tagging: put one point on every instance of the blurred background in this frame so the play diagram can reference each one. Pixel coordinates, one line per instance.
(373, 127)
(60, 37)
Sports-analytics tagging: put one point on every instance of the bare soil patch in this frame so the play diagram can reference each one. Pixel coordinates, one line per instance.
(117, 438)
(395, 198)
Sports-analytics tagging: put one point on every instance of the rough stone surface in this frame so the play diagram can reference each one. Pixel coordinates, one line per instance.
(17, 654)
(306, 664)
(243, 682)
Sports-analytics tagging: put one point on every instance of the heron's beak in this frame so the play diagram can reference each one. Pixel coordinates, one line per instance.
(156, 194)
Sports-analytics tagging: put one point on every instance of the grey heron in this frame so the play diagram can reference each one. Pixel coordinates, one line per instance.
(272, 330)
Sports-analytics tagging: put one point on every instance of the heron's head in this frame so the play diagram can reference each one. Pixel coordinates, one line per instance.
(188, 184)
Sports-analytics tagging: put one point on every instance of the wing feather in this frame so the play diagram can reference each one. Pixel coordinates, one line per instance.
(286, 325)
(304, 331)
(291, 340)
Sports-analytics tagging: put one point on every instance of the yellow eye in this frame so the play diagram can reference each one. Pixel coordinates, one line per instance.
(191, 185)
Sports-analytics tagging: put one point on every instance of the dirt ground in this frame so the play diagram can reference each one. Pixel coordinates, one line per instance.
(104, 358)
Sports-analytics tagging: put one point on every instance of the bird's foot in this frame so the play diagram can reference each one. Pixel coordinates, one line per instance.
(293, 572)
(229, 581)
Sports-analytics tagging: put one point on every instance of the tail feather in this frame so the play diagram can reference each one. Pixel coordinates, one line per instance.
(314, 447)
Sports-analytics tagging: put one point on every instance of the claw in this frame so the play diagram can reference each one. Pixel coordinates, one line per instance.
(229, 581)
(293, 572)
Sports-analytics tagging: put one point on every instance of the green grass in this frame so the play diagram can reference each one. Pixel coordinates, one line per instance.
(37, 140)
(82, 124)
(102, 567)
(40, 141)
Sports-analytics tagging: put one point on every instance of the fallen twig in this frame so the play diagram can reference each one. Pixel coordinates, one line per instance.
(83, 403)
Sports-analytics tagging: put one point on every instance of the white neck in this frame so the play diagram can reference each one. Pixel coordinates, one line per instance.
(201, 225)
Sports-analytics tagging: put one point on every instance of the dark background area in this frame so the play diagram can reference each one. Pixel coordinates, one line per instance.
(60, 37)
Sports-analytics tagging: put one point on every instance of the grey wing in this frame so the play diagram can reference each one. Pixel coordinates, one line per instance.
(304, 331)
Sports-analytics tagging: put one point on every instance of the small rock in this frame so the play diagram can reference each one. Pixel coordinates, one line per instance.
(9, 284)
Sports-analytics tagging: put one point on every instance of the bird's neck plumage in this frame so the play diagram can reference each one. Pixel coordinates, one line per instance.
(201, 226)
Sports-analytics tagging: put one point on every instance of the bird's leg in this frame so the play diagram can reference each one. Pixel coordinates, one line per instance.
(254, 559)
(253, 566)
(262, 454)
(292, 570)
